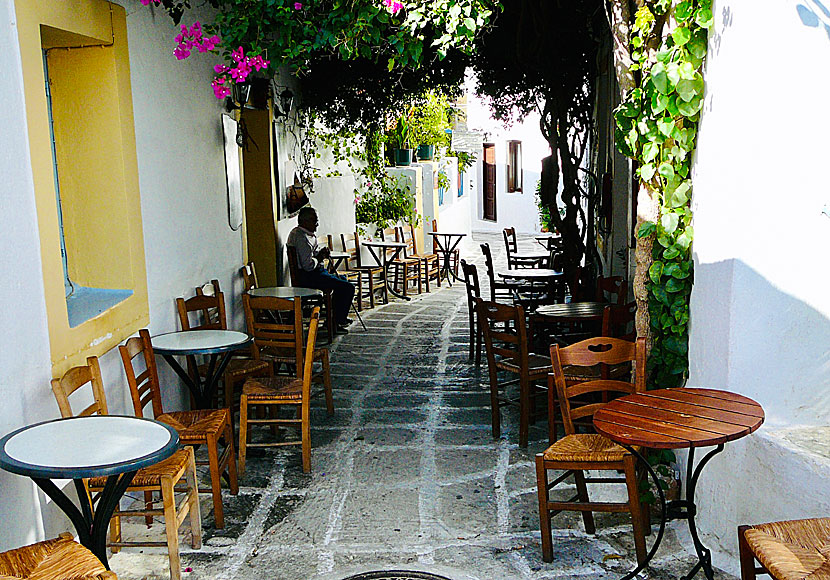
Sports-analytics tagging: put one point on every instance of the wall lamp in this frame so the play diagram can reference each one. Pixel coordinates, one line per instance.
(240, 92)
(286, 101)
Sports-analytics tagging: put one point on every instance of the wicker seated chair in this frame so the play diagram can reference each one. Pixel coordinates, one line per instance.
(791, 550)
(56, 559)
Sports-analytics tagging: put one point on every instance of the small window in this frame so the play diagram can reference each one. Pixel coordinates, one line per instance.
(514, 166)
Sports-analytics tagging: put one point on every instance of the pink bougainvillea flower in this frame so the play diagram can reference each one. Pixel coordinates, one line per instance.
(147, 2)
(393, 6)
(220, 69)
(298, 5)
(220, 88)
(181, 53)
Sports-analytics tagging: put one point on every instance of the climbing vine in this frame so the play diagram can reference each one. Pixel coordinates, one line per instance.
(657, 126)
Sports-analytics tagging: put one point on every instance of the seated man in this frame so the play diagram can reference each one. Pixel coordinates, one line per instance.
(311, 271)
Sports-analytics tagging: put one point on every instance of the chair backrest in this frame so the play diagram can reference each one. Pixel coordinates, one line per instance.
(471, 281)
(275, 323)
(413, 239)
(618, 321)
(293, 265)
(405, 235)
(510, 244)
(615, 286)
(74, 379)
(208, 289)
(504, 331)
(589, 353)
(142, 374)
(390, 234)
(324, 241)
(211, 307)
(248, 277)
(435, 246)
(491, 274)
(308, 363)
(350, 244)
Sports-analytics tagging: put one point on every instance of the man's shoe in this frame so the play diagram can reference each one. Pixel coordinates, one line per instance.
(348, 322)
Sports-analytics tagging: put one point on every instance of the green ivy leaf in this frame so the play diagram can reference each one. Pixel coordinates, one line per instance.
(681, 35)
(647, 171)
(669, 222)
(666, 126)
(655, 271)
(670, 253)
(683, 11)
(691, 108)
(666, 170)
(704, 18)
(675, 285)
(646, 229)
(660, 78)
(650, 152)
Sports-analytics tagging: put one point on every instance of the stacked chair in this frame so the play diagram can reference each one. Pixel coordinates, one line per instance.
(58, 559)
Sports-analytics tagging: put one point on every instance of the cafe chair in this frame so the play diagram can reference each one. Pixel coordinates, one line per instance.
(405, 268)
(209, 311)
(161, 478)
(248, 273)
(208, 427)
(613, 289)
(454, 255)
(276, 391)
(504, 290)
(505, 343)
(473, 292)
(430, 263)
(512, 248)
(578, 452)
(618, 321)
(58, 559)
(280, 339)
(790, 550)
(371, 278)
(325, 303)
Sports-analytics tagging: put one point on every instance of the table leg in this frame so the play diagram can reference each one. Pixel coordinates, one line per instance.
(202, 388)
(663, 510)
(92, 529)
(386, 263)
(450, 250)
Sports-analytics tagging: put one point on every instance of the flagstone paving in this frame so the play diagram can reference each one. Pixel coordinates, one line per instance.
(406, 475)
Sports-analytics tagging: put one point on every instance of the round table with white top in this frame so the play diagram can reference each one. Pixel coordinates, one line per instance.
(217, 345)
(78, 448)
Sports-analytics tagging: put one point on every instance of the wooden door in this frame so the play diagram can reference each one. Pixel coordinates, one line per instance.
(489, 191)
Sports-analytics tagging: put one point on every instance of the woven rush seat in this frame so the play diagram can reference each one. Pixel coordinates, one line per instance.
(151, 476)
(538, 365)
(59, 559)
(273, 388)
(194, 425)
(584, 447)
(288, 355)
(792, 550)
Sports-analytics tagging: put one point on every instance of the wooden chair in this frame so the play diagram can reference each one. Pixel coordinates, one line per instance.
(618, 321)
(325, 303)
(372, 278)
(473, 292)
(507, 350)
(506, 290)
(277, 391)
(454, 255)
(212, 309)
(576, 453)
(615, 286)
(249, 281)
(57, 559)
(160, 478)
(430, 264)
(280, 338)
(202, 427)
(405, 268)
(790, 550)
(512, 248)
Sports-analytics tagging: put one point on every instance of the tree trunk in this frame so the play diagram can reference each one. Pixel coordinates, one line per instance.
(647, 211)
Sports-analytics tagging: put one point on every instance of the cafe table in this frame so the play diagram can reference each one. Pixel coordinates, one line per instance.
(78, 448)
(681, 418)
(534, 275)
(287, 292)
(218, 345)
(336, 259)
(446, 243)
(385, 259)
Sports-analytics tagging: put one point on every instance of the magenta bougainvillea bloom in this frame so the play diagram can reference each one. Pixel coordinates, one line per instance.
(147, 2)
(393, 6)
(298, 5)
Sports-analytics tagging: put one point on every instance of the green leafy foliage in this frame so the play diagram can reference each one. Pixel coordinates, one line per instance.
(657, 125)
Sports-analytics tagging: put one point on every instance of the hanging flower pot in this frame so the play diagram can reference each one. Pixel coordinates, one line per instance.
(403, 157)
(426, 152)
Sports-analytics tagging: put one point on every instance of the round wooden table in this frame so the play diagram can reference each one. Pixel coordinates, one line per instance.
(287, 292)
(217, 344)
(683, 418)
(573, 311)
(78, 448)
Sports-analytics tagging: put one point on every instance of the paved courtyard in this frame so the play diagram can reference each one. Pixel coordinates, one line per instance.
(405, 475)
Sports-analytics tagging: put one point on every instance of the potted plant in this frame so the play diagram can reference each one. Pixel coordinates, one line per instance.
(401, 139)
(430, 124)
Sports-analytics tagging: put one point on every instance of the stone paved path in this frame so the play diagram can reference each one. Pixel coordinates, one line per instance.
(405, 475)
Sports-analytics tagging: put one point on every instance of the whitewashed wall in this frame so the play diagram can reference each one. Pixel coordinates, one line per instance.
(187, 239)
(516, 209)
(760, 305)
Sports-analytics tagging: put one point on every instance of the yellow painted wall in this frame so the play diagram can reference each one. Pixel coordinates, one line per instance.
(102, 23)
(260, 208)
